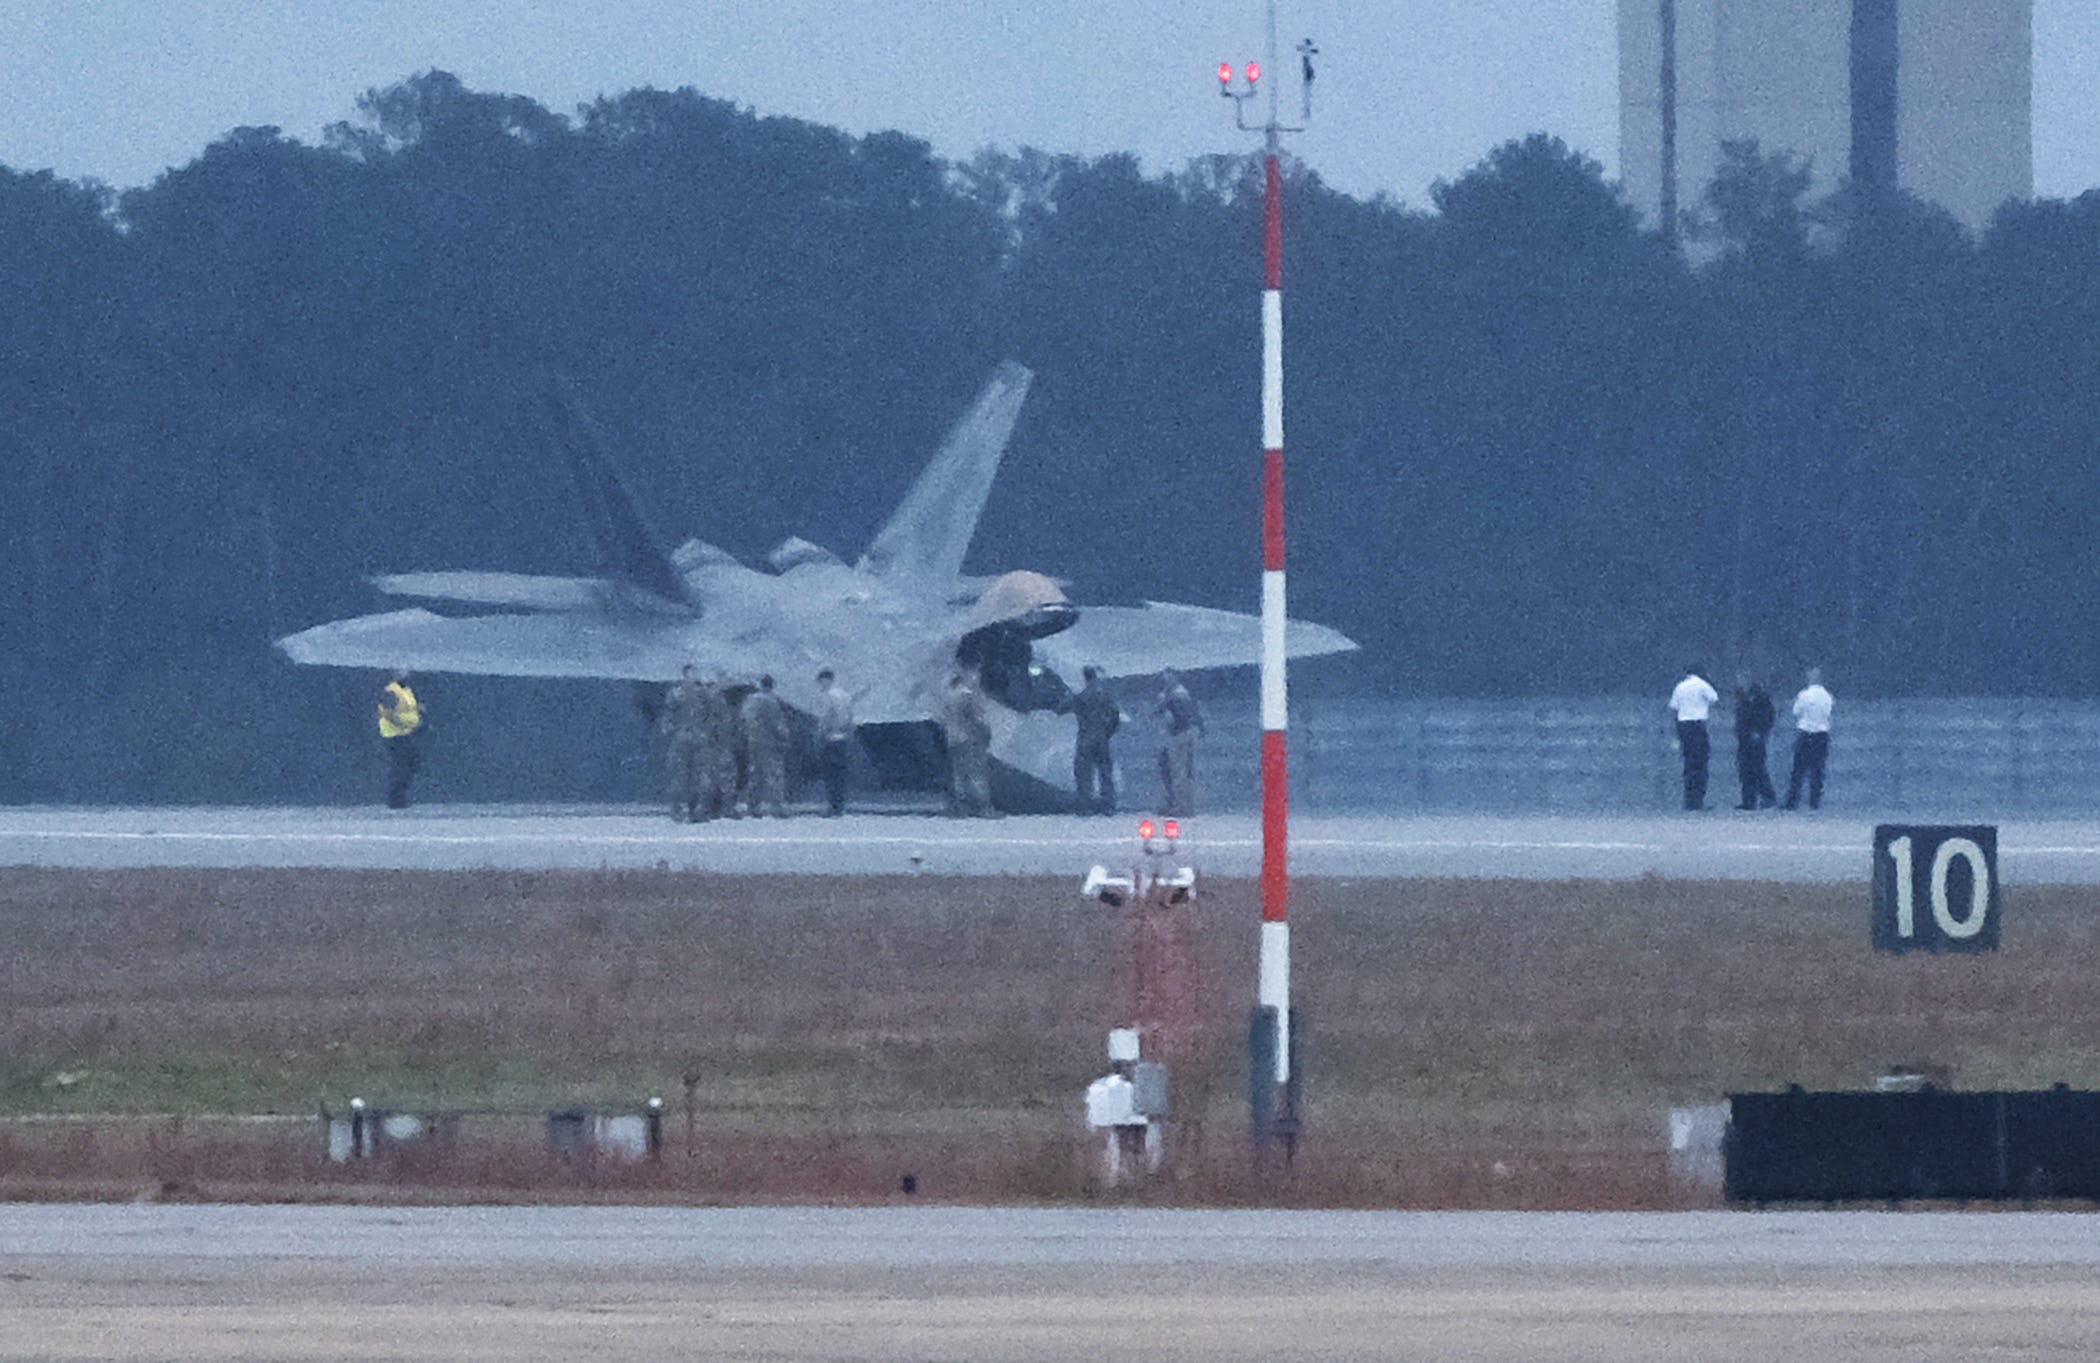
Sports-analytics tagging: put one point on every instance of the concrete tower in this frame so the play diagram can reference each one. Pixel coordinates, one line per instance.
(1934, 96)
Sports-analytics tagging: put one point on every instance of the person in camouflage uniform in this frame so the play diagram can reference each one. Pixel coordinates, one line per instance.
(766, 739)
(687, 725)
(726, 744)
(1182, 719)
(967, 730)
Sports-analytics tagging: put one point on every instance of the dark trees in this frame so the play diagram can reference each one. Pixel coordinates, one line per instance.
(1531, 448)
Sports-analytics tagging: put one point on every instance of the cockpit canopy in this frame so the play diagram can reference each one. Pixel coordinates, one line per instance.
(1018, 608)
(1029, 603)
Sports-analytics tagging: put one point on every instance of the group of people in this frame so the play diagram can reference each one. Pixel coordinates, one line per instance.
(967, 731)
(728, 746)
(1093, 757)
(1693, 700)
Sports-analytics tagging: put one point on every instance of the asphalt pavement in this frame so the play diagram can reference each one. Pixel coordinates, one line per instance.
(996, 1284)
(1764, 846)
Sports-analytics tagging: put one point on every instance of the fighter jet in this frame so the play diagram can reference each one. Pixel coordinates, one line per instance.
(894, 625)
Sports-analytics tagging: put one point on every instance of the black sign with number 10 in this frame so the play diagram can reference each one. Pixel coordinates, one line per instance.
(1935, 888)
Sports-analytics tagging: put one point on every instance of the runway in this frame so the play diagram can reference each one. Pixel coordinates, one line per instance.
(214, 1282)
(1770, 846)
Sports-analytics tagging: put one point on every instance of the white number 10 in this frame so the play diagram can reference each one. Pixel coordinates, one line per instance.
(1960, 929)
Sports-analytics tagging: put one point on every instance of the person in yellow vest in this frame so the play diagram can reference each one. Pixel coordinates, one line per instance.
(400, 729)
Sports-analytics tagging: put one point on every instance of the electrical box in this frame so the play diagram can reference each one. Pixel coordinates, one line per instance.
(1148, 1079)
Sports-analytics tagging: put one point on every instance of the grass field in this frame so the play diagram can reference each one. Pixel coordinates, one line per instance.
(1470, 1043)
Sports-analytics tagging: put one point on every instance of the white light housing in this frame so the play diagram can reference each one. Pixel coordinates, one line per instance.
(1113, 891)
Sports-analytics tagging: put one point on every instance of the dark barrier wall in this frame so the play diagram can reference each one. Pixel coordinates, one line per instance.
(1847, 1147)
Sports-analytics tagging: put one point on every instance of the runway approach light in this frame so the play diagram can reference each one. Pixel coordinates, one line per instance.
(1225, 75)
(1155, 879)
(1253, 73)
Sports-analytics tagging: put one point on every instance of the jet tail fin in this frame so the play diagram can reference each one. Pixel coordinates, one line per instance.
(932, 528)
(626, 549)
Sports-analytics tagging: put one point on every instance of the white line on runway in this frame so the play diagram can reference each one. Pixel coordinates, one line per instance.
(796, 839)
(1420, 845)
(484, 839)
(793, 839)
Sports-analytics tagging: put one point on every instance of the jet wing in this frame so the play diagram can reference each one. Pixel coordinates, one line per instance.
(1132, 641)
(525, 590)
(494, 645)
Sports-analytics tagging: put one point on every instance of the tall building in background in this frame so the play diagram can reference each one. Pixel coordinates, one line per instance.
(1933, 96)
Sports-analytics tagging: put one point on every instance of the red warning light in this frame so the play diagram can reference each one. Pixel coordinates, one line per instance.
(1145, 829)
(1224, 73)
(1173, 829)
(1253, 72)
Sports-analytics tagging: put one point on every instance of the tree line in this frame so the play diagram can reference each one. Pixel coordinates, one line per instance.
(1534, 447)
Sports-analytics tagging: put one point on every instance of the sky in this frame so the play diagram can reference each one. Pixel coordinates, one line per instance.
(1408, 91)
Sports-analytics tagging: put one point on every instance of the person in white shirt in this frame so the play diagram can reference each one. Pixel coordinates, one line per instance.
(835, 734)
(1811, 741)
(1691, 701)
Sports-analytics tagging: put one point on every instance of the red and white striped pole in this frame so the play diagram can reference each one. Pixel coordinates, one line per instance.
(1274, 990)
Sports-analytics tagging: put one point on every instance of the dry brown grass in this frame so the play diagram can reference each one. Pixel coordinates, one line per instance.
(1472, 1043)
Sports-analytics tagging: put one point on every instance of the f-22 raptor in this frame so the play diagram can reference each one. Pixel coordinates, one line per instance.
(894, 625)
